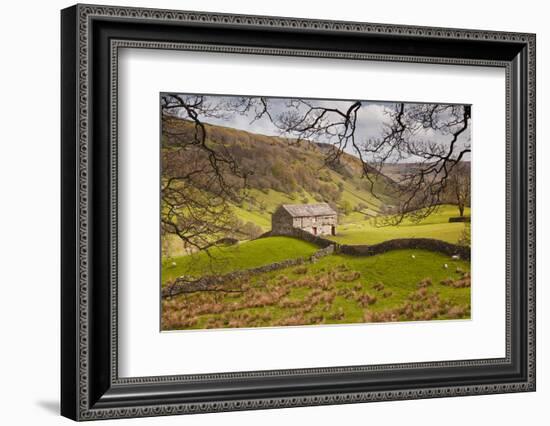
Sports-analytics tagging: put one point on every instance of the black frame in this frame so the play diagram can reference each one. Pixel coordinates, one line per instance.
(91, 37)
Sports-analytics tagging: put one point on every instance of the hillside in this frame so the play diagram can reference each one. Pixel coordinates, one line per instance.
(435, 226)
(282, 171)
(402, 285)
(398, 285)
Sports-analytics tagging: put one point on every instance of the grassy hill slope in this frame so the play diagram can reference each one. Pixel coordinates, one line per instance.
(246, 255)
(284, 172)
(434, 226)
(338, 289)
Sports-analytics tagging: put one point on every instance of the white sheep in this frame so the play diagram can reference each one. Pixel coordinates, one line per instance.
(446, 266)
(413, 256)
(455, 257)
(173, 264)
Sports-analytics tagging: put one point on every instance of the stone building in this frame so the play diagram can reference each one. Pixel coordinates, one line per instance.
(317, 219)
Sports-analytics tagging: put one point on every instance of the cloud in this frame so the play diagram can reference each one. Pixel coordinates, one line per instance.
(371, 120)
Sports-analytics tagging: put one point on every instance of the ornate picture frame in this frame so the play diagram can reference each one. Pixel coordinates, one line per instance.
(91, 38)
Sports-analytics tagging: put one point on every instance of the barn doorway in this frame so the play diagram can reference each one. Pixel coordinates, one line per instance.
(314, 230)
(333, 230)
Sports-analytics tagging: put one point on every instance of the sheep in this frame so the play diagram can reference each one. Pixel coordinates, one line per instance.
(413, 256)
(455, 257)
(445, 266)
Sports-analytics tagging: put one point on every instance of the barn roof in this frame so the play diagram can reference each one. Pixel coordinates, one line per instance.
(304, 210)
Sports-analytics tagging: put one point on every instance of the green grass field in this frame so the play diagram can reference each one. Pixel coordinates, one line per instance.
(336, 289)
(401, 285)
(435, 226)
(245, 255)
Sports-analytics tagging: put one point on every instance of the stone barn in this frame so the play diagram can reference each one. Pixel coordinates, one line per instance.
(317, 219)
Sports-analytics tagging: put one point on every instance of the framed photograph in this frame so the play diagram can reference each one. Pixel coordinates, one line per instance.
(263, 212)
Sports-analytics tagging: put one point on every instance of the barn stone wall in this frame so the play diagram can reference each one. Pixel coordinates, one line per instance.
(323, 224)
(283, 223)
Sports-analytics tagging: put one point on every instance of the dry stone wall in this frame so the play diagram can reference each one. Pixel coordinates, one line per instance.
(187, 284)
(370, 250)
(408, 243)
(302, 235)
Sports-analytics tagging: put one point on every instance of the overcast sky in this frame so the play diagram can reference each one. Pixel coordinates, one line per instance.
(371, 118)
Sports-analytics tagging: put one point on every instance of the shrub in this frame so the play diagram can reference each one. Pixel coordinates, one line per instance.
(426, 282)
(465, 236)
(460, 283)
(360, 207)
(250, 230)
(347, 276)
(345, 207)
(296, 319)
(378, 286)
(339, 315)
(456, 312)
(366, 299)
(300, 270)
(317, 319)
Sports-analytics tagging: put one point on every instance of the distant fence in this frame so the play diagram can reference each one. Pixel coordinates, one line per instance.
(407, 243)
(460, 219)
(371, 250)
